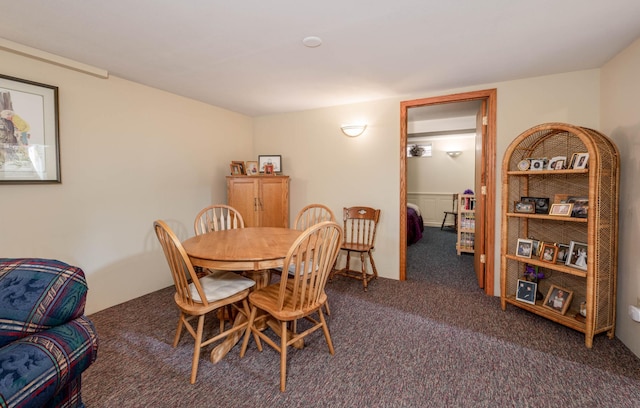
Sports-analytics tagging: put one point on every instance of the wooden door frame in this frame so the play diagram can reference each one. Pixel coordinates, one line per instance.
(490, 95)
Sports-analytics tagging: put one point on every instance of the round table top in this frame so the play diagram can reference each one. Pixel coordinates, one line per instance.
(251, 248)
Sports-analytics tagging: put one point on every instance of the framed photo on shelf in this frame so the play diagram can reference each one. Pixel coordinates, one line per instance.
(580, 206)
(541, 203)
(562, 209)
(524, 248)
(29, 145)
(252, 168)
(549, 252)
(240, 164)
(581, 161)
(563, 252)
(526, 291)
(572, 161)
(274, 160)
(535, 247)
(557, 163)
(526, 207)
(577, 256)
(537, 164)
(558, 299)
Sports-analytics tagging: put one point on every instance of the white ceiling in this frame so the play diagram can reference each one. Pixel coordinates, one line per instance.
(248, 56)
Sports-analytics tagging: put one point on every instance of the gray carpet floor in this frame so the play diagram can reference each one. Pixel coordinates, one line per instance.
(433, 341)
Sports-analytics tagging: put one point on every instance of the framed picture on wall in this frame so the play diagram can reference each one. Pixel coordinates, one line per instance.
(29, 147)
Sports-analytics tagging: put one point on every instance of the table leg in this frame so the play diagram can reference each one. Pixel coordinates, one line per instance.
(230, 341)
(262, 279)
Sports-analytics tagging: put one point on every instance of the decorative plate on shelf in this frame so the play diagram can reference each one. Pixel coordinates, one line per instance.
(524, 165)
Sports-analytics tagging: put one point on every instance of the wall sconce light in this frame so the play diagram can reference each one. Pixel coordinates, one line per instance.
(353, 130)
(454, 153)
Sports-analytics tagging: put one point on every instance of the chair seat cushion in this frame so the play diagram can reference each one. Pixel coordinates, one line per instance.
(221, 284)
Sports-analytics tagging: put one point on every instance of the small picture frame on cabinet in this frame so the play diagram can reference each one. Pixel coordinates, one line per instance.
(236, 170)
(524, 248)
(526, 291)
(274, 160)
(252, 168)
(558, 299)
(240, 165)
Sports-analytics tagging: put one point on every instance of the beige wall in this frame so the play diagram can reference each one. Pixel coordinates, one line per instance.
(441, 173)
(130, 154)
(621, 121)
(328, 167)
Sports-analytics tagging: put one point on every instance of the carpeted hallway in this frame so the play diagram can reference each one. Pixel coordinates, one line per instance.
(433, 341)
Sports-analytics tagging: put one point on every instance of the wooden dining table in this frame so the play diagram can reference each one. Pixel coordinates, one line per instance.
(253, 251)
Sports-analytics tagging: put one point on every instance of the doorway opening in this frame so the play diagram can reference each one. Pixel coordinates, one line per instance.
(484, 178)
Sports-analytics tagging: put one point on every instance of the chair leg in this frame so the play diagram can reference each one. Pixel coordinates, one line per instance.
(373, 266)
(326, 307)
(196, 349)
(283, 357)
(325, 330)
(176, 338)
(364, 271)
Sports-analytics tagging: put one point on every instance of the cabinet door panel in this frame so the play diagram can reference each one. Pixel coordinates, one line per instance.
(274, 200)
(242, 194)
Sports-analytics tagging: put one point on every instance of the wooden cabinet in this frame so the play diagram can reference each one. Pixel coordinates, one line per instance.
(263, 201)
(596, 227)
(466, 223)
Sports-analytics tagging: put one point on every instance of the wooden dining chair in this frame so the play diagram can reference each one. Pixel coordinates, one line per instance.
(308, 216)
(313, 214)
(360, 224)
(217, 217)
(298, 295)
(196, 297)
(451, 214)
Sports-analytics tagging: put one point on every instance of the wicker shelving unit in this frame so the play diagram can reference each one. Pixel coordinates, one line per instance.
(599, 230)
(466, 223)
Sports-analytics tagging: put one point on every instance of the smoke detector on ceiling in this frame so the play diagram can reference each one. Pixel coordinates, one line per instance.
(312, 41)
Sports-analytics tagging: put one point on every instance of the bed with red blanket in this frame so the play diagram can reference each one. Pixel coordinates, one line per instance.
(415, 225)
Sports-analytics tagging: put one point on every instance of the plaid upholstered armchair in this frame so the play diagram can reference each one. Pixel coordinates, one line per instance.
(46, 342)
